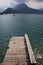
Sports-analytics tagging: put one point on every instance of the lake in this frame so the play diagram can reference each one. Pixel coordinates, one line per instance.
(18, 25)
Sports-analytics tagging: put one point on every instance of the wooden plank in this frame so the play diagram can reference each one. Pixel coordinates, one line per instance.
(30, 51)
(16, 54)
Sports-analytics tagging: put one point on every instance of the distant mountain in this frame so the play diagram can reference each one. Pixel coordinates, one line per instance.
(1, 10)
(41, 9)
(23, 8)
(9, 11)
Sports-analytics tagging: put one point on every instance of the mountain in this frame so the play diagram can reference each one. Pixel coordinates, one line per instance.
(41, 9)
(1, 10)
(9, 11)
(23, 8)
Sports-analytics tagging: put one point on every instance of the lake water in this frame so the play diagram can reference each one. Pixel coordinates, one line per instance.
(18, 25)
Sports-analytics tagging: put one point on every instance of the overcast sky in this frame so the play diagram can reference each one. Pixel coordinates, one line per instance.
(31, 3)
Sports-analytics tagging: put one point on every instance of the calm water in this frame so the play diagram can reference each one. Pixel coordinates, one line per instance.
(31, 24)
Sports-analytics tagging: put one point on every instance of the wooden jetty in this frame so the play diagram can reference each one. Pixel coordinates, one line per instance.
(19, 52)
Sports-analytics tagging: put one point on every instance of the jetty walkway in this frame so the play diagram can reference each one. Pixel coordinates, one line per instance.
(19, 52)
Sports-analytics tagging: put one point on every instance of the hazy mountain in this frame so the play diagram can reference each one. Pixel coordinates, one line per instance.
(41, 9)
(23, 8)
(1, 10)
(9, 11)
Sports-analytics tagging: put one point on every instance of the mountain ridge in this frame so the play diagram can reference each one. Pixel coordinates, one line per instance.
(41, 9)
(9, 11)
(22, 8)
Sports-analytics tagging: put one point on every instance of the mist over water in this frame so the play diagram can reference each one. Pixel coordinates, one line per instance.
(18, 25)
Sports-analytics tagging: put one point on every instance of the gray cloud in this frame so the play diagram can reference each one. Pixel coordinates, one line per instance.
(22, 1)
(38, 0)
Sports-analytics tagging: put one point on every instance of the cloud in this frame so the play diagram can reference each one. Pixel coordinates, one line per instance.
(34, 4)
(20, 1)
(31, 3)
(39, 0)
(7, 3)
(34, 0)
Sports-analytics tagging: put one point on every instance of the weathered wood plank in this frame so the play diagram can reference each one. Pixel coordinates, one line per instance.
(16, 54)
(30, 51)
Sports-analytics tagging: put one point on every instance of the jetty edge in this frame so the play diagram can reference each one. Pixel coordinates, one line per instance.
(30, 51)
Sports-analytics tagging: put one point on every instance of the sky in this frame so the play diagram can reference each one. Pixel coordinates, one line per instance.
(36, 4)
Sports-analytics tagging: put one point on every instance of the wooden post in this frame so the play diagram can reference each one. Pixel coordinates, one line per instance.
(30, 51)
